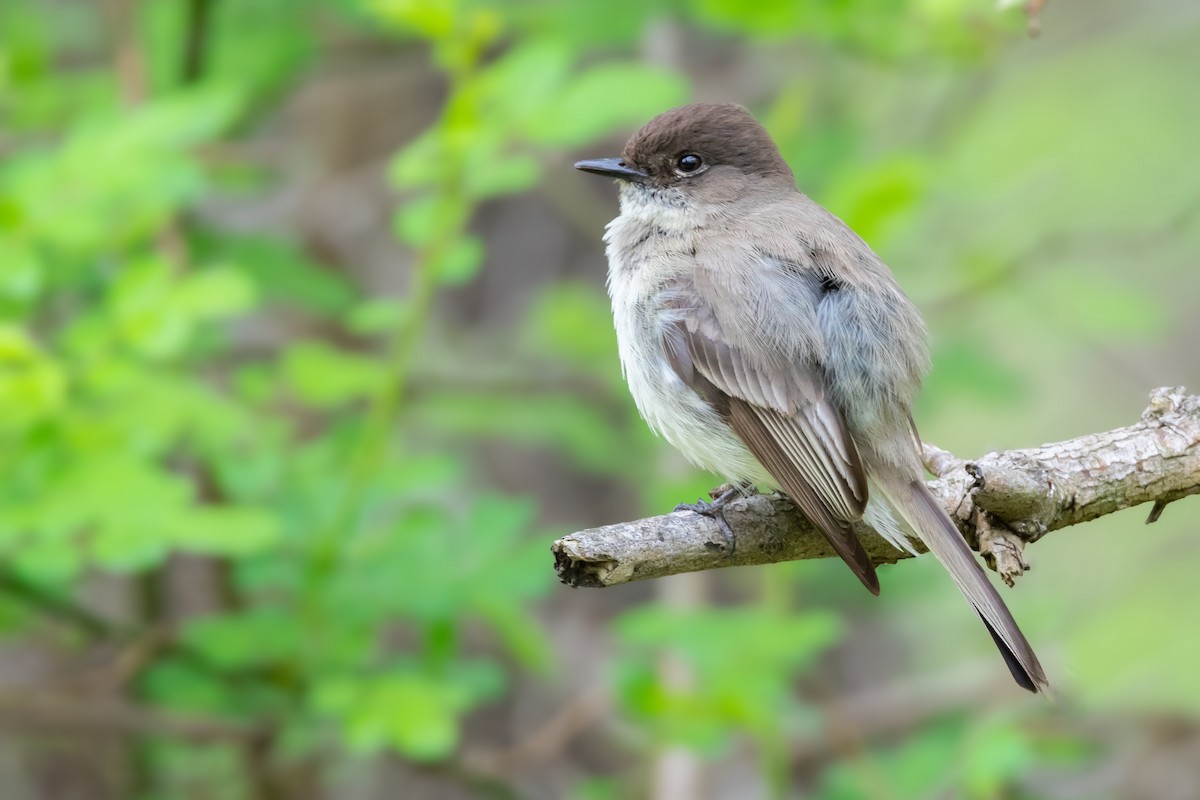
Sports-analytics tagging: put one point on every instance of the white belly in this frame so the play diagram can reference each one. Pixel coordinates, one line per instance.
(648, 245)
(677, 413)
(671, 408)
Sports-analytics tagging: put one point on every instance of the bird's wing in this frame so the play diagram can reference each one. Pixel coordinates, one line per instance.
(781, 412)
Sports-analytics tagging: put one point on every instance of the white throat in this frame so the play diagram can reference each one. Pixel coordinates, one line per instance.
(667, 208)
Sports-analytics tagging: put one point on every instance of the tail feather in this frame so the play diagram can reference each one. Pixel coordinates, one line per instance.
(1020, 672)
(914, 502)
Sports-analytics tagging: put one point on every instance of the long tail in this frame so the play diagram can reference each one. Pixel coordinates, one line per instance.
(913, 501)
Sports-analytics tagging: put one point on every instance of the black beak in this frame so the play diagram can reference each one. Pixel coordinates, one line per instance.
(612, 168)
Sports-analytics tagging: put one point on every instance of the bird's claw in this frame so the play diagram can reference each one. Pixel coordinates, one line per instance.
(715, 510)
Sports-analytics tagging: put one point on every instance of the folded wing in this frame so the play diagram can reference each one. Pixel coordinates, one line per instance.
(782, 414)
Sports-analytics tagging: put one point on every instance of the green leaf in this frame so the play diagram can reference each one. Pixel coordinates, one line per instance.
(520, 83)
(379, 315)
(750, 637)
(157, 310)
(256, 637)
(996, 757)
(214, 293)
(117, 178)
(430, 20)
(602, 99)
(426, 219)
(178, 120)
(742, 685)
(871, 197)
(325, 377)
(916, 769)
(562, 422)
(33, 386)
(21, 275)
(416, 716)
(412, 713)
(506, 173)
(461, 261)
(597, 788)
(125, 506)
(590, 26)
(140, 301)
(520, 634)
(225, 530)
(573, 321)
(280, 272)
(49, 558)
(180, 686)
(419, 477)
(422, 162)
(768, 18)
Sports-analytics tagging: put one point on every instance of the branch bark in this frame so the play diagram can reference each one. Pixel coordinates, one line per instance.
(1001, 502)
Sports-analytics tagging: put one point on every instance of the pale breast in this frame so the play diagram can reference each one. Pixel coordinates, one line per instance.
(646, 254)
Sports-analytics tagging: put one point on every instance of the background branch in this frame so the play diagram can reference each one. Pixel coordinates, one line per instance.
(27, 710)
(1000, 501)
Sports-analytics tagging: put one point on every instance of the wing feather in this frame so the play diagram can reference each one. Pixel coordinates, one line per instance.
(787, 422)
(781, 462)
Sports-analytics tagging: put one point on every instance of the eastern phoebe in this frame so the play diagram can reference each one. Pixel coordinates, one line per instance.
(766, 341)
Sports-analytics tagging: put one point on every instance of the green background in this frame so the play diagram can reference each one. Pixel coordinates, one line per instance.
(305, 359)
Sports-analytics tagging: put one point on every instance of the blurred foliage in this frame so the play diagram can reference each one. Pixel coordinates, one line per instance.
(741, 685)
(366, 609)
(987, 757)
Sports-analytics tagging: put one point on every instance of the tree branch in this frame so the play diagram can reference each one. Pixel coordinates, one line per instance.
(1000, 501)
(25, 710)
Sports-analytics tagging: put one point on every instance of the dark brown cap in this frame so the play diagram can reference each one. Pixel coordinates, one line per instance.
(721, 134)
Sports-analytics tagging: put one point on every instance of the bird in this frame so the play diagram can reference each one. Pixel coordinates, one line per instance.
(768, 343)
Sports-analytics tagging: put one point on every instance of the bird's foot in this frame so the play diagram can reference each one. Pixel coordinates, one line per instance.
(715, 510)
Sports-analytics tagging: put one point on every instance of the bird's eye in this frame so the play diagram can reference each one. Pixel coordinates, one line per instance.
(688, 164)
